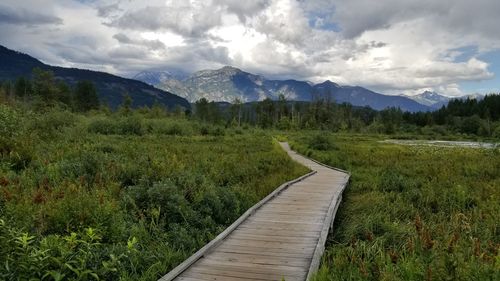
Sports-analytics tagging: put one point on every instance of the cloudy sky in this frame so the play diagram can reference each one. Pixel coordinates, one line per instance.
(391, 46)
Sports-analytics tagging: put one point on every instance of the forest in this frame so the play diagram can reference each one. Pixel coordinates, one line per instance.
(90, 193)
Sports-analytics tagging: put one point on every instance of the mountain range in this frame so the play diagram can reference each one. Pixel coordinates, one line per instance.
(228, 83)
(221, 85)
(111, 89)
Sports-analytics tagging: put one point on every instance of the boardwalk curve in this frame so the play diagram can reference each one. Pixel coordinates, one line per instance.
(281, 237)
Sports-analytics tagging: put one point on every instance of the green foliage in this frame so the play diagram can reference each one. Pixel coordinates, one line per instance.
(321, 142)
(128, 125)
(10, 122)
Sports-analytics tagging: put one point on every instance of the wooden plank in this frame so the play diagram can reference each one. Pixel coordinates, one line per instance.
(221, 274)
(294, 244)
(281, 225)
(246, 269)
(277, 232)
(276, 239)
(278, 211)
(283, 269)
(266, 251)
(258, 259)
(292, 218)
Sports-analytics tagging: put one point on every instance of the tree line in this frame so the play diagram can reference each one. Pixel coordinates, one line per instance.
(462, 116)
(45, 89)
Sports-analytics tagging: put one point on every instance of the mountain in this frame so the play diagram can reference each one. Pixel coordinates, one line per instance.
(110, 88)
(228, 83)
(359, 96)
(431, 99)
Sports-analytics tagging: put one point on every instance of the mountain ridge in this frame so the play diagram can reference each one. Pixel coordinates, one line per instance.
(111, 88)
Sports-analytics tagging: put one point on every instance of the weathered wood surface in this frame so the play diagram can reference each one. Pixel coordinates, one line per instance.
(281, 237)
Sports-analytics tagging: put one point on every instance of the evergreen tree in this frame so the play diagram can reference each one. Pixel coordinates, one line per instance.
(64, 93)
(44, 84)
(86, 96)
(126, 106)
(201, 107)
(22, 87)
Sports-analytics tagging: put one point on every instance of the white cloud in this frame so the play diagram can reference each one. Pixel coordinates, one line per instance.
(391, 46)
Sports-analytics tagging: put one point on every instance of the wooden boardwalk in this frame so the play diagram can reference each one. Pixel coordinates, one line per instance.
(281, 237)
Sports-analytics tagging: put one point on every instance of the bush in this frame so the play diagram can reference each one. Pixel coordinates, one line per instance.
(163, 202)
(48, 124)
(204, 130)
(104, 126)
(131, 125)
(174, 129)
(321, 142)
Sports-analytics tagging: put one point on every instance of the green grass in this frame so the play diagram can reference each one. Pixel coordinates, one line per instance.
(123, 196)
(411, 213)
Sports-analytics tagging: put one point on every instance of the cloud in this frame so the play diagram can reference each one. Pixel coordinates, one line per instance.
(191, 19)
(106, 11)
(244, 9)
(150, 44)
(391, 46)
(10, 15)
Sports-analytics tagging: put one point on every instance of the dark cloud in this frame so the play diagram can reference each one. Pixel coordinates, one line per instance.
(22, 16)
(358, 16)
(184, 20)
(244, 9)
(107, 10)
(150, 44)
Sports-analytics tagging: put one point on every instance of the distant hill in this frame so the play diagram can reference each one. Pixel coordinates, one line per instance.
(359, 96)
(228, 83)
(111, 88)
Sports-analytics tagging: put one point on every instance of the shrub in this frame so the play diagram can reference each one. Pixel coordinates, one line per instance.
(105, 126)
(162, 201)
(218, 131)
(174, 129)
(131, 125)
(204, 130)
(321, 142)
(48, 124)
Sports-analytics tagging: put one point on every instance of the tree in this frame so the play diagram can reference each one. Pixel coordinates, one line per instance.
(201, 107)
(44, 84)
(236, 111)
(86, 96)
(126, 106)
(63, 93)
(22, 87)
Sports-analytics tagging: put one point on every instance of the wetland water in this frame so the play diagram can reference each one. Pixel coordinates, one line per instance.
(441, 143)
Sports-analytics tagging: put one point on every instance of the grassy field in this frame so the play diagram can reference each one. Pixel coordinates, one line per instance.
(410, 213)
(129, 195)
(122, 196)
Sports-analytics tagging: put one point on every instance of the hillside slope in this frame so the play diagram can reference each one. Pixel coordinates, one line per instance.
(111, 88)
